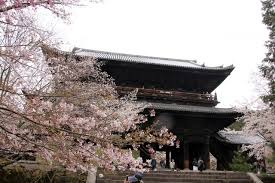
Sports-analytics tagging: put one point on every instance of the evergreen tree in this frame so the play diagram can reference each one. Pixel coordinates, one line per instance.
(240, 163)
(268, 63)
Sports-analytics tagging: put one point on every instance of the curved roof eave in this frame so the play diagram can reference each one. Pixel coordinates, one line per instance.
(239, 138)
(129, 58)
(190, 108)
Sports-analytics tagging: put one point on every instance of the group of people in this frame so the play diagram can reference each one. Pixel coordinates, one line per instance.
(198, 164)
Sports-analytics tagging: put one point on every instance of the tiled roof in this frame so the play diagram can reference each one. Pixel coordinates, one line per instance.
(240, 138)
(145, 59)
(190, 108)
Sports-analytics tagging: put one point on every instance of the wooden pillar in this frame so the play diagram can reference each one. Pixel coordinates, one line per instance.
(168, 159)
(186, 155)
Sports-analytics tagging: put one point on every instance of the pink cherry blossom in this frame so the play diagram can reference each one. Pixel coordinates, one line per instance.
(65, 110)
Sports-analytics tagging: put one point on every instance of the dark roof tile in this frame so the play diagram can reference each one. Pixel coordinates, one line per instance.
(240, 138)
(145, 59)
(190, 108)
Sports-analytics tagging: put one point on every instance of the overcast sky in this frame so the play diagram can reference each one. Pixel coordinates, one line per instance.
(214, 32)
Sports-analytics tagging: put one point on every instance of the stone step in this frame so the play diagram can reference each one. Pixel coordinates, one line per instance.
(183, 178)
(184, 175)
(181, 181)
(179, 177)
(110, 181)
(181, 172)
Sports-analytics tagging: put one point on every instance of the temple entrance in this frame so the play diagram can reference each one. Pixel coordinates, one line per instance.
(186, 153)
(177, 156)
(195, 151)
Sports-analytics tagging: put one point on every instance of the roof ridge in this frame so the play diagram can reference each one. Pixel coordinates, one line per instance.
(140, 56)
(146, 59)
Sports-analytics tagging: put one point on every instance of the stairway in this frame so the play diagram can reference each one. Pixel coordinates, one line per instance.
(179, 177)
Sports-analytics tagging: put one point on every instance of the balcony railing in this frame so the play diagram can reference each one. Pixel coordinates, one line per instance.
(173, 96)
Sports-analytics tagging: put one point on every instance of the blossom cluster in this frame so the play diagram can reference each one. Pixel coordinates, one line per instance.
(63, 108)
(260, 122)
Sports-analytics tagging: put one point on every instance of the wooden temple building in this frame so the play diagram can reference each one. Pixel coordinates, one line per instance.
(180, 91)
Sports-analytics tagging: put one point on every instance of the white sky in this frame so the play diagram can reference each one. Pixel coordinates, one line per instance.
(214, 32)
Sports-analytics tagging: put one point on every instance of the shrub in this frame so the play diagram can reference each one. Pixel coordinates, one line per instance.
(240, 163)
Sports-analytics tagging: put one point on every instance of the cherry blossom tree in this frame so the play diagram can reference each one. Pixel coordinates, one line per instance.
(20, 53)
(263, 120)
(68, 113)
(260, 121)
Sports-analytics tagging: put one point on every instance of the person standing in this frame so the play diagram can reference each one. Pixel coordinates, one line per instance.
(201, 165)
(172, 164)
(162, 163)
(195, 164)
(153, 159)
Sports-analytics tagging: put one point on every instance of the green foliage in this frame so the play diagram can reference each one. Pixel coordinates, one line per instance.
(271, 160)
(267, 178)
(272, 145)
(240, 163)
(268, 64)
(238, 125)
(39, 176)
(135, 154)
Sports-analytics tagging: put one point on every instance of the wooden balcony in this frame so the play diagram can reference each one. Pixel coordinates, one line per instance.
(171, 96)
